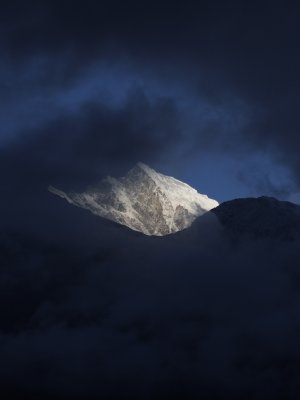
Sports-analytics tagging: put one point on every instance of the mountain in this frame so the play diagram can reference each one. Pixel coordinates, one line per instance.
(260, 217)
(143, 200)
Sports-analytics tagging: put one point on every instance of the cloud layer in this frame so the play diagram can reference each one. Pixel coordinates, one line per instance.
(92, 309)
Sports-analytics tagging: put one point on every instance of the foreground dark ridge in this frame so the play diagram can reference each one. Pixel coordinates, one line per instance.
(260, 217)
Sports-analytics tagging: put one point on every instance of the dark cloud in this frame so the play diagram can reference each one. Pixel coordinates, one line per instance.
(76, 145)
(219, 52)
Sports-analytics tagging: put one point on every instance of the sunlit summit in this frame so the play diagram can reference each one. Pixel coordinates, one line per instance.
(143, 200)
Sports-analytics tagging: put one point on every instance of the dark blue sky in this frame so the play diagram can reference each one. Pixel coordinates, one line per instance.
(205, 93)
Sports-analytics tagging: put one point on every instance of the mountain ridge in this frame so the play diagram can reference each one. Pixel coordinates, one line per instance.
(260, 217)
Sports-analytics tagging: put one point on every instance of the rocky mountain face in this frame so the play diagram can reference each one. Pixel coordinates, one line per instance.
(260, 217)
(144, 200)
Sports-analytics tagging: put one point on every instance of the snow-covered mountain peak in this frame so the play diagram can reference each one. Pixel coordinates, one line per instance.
(144, 200)
(141, 171)
(145, 168)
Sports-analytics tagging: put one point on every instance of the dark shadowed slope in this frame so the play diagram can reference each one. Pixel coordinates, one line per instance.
(260, 217)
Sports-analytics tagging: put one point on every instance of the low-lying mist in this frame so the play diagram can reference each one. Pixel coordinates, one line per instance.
(90, 309)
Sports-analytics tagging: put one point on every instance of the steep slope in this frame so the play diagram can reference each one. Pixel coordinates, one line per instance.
(144, 200)
(260, 217)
